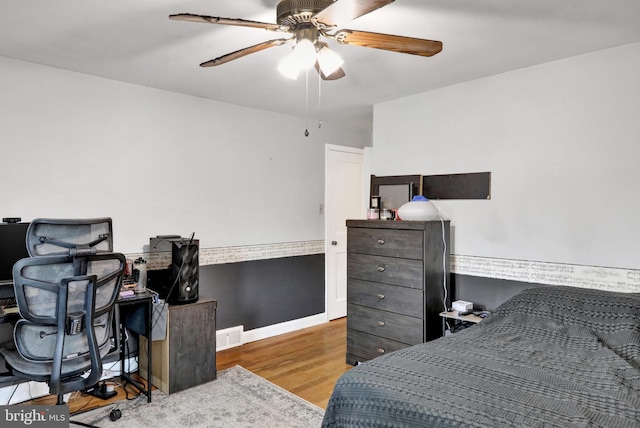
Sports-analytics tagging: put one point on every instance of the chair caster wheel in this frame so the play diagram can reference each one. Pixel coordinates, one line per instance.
(115, 414)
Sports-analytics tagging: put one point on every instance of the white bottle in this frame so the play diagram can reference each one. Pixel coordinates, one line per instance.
(140, 275)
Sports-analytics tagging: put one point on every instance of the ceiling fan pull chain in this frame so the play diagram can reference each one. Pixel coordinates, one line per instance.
(319, 101)
(306, 103)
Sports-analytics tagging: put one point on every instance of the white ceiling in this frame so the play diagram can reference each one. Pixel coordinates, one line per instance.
(135, 42)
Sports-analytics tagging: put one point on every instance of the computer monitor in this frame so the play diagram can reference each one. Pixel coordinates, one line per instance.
(13, 247)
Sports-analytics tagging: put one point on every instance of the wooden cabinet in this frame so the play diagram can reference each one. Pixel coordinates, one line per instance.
(397, 283)
(187, 355)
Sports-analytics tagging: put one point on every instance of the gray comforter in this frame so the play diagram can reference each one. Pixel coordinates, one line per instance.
(549, 357)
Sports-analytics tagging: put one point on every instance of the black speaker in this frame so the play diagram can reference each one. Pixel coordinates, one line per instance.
(184, 272)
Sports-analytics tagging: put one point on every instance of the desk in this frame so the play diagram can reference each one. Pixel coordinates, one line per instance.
(135, 313)
(132, 312)
(9, 315)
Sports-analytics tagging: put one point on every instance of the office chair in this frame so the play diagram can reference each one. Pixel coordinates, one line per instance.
(66, 292)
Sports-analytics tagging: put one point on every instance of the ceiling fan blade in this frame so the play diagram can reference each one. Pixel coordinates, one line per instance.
(408, 45)
(227, 21)
(244, 52)
(343, 11)
(338, 74)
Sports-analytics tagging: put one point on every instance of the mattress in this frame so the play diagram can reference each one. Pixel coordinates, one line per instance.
(548, 357)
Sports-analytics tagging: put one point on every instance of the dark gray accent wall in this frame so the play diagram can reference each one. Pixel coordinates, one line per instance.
(486, 293)
(265, 292)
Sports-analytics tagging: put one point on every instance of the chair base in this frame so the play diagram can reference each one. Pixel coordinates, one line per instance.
(114, 415)
(101, 392)
(82, 424)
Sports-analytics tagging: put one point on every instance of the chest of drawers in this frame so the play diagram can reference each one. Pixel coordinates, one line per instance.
(397, 284)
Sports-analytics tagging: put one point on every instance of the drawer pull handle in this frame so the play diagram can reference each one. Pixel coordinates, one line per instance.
(380, 241)
(380, 351)
(380, 296)
(380, 268)
(381, 323)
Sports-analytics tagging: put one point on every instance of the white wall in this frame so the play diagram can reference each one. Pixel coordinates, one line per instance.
(157, 162)
(562, 141)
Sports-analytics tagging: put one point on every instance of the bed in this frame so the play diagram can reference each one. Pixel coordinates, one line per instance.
(548, 357)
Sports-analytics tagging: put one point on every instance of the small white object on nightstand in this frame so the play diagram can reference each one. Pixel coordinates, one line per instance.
(462, 306)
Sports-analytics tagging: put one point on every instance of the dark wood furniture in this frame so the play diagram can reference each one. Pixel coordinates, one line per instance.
(187, 355)
(397, 274)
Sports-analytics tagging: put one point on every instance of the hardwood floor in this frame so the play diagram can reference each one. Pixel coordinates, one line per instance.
(305, 362)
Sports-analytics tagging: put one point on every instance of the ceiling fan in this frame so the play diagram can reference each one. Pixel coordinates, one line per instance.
(307, 22)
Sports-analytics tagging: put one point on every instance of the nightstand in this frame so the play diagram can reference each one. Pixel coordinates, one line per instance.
(459, 322)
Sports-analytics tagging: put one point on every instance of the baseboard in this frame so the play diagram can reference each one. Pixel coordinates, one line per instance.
(24, 391)
(29, 390)
(282, 328)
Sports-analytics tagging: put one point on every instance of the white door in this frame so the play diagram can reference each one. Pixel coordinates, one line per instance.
(344, 199)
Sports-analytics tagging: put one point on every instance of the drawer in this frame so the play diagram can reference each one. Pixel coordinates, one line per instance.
(389, 270)
(392, 298)
(400, 328)
(383, 242)
(362, 346)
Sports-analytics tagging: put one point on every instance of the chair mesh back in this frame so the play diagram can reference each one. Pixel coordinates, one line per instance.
(37, 284)
(66, 237)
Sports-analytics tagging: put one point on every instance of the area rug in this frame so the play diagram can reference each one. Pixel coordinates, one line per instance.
(238, 398)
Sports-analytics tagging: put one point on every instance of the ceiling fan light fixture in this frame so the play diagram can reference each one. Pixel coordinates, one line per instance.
(302, 57)
(329, 61)
(304, 54)
(288, 67)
